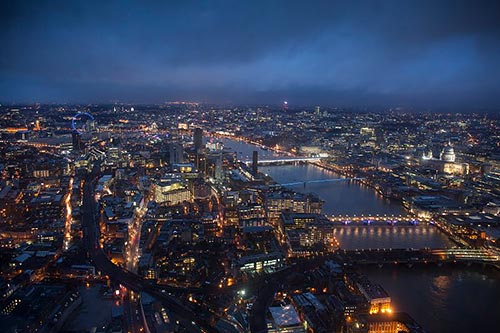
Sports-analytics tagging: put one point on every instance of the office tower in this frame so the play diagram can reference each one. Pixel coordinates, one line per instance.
(77, 141)
(176, 153)
(255, 161)
(198, 139)
(219, 173)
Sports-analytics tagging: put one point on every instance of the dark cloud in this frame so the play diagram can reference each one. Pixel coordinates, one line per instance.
(356, 52)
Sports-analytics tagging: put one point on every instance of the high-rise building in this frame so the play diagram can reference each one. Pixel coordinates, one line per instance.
(255, 161)
(317, 111)
(198, 139)
(219, 173)
(77, 141)
(176, 153)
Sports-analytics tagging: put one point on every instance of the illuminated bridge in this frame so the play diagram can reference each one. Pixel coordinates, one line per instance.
(420, 256)
(327, 180)
(285, 160)
(393, 220)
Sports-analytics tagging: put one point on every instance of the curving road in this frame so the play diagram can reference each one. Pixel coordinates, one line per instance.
(186, 316)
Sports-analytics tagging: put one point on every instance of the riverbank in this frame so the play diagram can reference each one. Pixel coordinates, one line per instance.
(322, 165)
(448, 298)
(440, 298)
(341, 197)
(250, 142)
(363, 181)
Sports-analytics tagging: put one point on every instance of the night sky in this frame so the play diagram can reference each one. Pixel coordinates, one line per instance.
(409, 53)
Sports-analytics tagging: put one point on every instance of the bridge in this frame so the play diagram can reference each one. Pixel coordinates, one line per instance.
(380, 257)
(419, 256)
(285, 160)
(393, 220)
(327, 180)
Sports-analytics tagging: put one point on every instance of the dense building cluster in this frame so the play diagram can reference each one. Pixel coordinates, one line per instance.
(197, 221)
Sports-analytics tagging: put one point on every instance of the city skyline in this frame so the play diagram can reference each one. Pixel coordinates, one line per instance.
(187, 217)
(410, 54)
(249, 166)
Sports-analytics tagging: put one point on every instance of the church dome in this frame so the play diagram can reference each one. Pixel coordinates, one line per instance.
(448, 154)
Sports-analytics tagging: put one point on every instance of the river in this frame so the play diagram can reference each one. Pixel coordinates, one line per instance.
(353, 198)
(444, 299)
(447, 299)
(341, 198)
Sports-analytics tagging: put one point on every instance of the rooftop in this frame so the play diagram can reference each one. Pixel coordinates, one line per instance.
(284, 316)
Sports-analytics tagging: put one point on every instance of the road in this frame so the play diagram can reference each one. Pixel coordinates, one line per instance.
(185, 315)
(132, 314)
(265, 296)
(189, 317)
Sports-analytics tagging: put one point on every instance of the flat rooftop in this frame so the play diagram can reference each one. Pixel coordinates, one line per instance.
(284, 316)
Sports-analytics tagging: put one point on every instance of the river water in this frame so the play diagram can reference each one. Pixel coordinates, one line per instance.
(352, 198)
(447, 299)
(342, 197)
(444, 299)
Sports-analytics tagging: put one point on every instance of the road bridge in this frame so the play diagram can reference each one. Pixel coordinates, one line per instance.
(393, 220)
(284, 160)
(318, 181)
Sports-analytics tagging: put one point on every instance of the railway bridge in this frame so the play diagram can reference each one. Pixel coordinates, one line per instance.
(419, 256)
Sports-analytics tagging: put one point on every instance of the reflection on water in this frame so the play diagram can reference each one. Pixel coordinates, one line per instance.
(344, 197)
(442, 282)
(439, 289)
(244, 150)
(371, 237)
(350, 198)
(444, 299)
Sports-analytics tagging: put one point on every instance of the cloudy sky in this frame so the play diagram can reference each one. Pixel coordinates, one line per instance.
(420, 53)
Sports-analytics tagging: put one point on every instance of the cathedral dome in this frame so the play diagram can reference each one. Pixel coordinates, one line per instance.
(448, 154)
